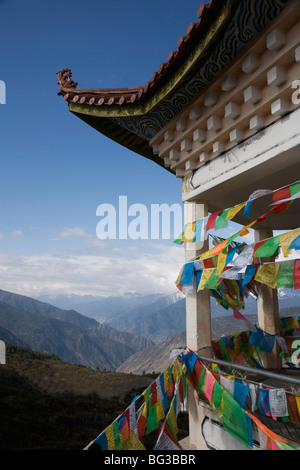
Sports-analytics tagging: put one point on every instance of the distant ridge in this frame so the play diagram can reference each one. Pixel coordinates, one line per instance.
(69, 335)
(157, 358)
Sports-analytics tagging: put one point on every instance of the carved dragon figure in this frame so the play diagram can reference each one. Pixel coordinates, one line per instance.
(64, 79)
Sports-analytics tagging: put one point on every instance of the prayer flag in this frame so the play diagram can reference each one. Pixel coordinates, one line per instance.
(295, 188)
(238, 315)
(222, 220)
(236, 422)
(263, 401)
(102, 441)
(267, 274)
(206, 274)
(270, 434)
(166, 439)
(234, 210)
(286, 239)
(240, 393)
(187, 274)
(278, 403)
(198, 236)
(297, 274)
(152, 422)
(113, 437)
(132, 443)
(189, 232)
(295, 245)
(209, 388)
(218, 397)
(248, 205)
(249, 274)
(212, 220)
(267, 248)
(221, 263)
(286, 275)
(179, 240)
(280, 194)
(142, 421)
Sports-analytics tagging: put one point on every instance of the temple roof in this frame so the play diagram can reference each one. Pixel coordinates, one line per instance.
(121, 96)
(133, 116)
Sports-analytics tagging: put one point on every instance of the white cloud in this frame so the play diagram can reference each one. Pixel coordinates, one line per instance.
(17, 234)
(73, 232)
(107, 273)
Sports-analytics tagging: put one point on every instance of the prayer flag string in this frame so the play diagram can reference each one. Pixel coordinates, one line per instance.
(226, 395)
(281, 201)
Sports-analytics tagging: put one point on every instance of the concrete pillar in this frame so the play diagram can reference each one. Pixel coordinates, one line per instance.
(268, 310)
(198, 323)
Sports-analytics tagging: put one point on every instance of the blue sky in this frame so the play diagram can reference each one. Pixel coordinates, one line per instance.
(55, 170)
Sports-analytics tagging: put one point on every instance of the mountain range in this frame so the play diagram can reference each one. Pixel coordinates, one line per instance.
(157, 358)
(157, 317)
(68, 334)
(109, 333)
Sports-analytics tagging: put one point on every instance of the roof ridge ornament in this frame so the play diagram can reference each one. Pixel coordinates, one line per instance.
(64, 79)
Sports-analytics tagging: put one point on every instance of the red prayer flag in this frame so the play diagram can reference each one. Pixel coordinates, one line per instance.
(211, 222)
(125, 428)
(283, 206)
(281, 194)
(238, 315)
(142, 425)
(194, 377)
(208, 263)
(154, 394)
(297, 274)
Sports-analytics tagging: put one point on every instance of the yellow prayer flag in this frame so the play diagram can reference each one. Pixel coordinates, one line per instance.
(286, 239)
(245, 230)
(145, 410)
(160, 411)
(267, 274)
(109, 432)
(207, 254)
(234, 210)
(298, 403)
(189, 232)
(292, 323)
(133, 443)
(183, 369)
(173, 418)
(179, 277)
(206, 274)
(236, 344)
(176, 371)
(221, 263)
(235, 286)
(166, 380)
(231, 302)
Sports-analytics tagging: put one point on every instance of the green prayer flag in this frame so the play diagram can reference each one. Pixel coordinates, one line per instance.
(268, 248)
(284, 446)
(286, 275)
(221, 220)
(152, 419)
(178, 240)
(201, 381)
(218, 394)
(232, 238)
(235, 421)
(213, 280)
(295, 188)
(116, 435)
